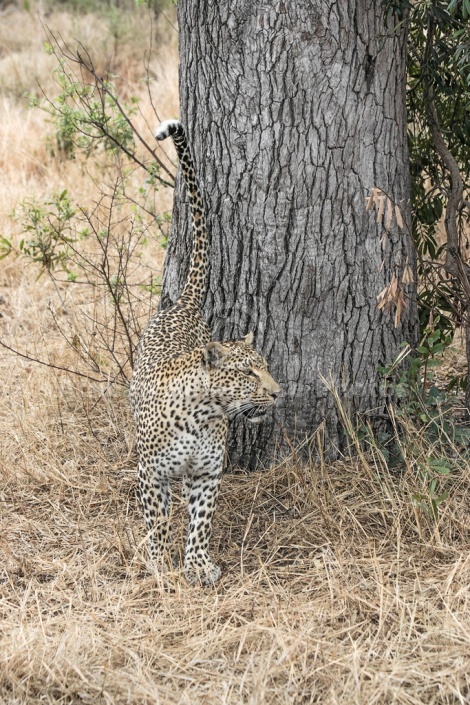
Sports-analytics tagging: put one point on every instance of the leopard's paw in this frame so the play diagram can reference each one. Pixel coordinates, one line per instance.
(207, 573)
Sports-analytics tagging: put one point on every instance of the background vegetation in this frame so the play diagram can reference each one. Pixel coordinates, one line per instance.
(342, 583)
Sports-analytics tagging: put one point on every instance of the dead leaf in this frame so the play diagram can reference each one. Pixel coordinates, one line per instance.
(398, 217)
(389, 214)
(370, 200)
(380, 211)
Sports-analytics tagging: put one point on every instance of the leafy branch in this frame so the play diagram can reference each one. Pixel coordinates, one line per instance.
(100, 249)
(88, 112)
(454, 263)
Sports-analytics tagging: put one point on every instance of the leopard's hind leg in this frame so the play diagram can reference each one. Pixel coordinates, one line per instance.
(156, 501)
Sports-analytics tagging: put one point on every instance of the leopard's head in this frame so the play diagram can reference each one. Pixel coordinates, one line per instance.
(239, 378)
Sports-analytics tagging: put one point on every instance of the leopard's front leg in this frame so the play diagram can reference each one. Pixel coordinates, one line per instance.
(198, 567)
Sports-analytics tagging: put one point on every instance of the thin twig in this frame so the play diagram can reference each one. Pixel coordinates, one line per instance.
(50, 364)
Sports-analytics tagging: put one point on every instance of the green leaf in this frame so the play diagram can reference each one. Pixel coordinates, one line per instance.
(440, 465)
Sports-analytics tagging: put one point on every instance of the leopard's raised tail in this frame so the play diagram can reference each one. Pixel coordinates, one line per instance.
(196, 282)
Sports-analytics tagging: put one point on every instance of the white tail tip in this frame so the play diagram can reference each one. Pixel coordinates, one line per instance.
(167, 128)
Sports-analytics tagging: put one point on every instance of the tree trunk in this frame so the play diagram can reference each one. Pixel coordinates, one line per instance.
(294, 112)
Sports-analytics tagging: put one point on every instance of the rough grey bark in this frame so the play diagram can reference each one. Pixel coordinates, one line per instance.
(294, 112)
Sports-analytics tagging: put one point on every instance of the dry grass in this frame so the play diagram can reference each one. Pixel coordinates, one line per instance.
(336, 588)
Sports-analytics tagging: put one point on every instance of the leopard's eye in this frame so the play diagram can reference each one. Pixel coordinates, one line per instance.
(249, 372)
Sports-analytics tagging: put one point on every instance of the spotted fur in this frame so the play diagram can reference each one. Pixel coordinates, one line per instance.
(184, 389)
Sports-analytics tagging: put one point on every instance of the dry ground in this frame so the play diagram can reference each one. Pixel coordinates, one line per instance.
(337, 587)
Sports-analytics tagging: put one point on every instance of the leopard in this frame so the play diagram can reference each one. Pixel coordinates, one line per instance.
(184, 391)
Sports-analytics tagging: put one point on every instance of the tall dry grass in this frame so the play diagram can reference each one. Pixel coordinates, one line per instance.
(336, 587)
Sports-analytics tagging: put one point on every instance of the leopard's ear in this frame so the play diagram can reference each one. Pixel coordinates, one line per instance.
(248, 339)
(214, 354)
